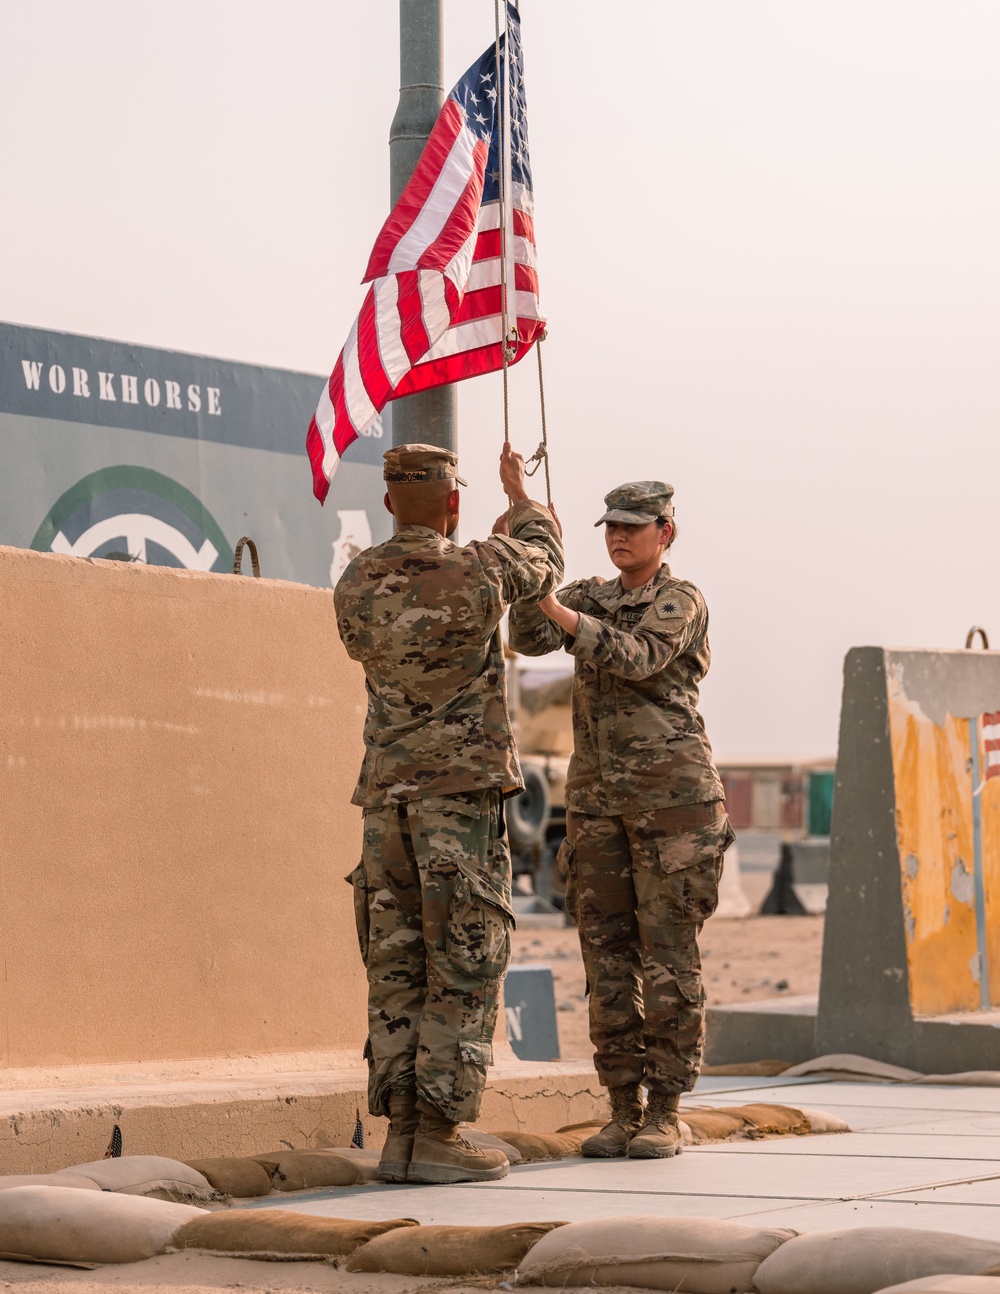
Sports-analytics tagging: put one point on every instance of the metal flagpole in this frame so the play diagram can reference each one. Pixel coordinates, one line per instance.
(430, 416)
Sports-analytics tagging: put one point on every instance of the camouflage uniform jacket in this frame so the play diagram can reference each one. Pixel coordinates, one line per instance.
(639, 741)
(423, 616)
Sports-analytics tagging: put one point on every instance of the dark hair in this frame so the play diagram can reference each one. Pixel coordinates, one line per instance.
(661, 522)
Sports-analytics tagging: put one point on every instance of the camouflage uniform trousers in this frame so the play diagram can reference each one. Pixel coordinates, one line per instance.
(639, 888)
(433, 909)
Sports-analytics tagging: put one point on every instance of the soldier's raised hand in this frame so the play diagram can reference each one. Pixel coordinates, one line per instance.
(512, 474)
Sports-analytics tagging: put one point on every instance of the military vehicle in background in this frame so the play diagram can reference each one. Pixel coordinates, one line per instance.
(540, 695)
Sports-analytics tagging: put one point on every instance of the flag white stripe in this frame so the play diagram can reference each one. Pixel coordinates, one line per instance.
(391, 350)
(489, 212)
(357, 401)
(433, 304)
(480, 332)
(991, 732)
(326, 415)
(448, 188)
(485, 272)
(331, 460)
(460, 264)
(993, 758)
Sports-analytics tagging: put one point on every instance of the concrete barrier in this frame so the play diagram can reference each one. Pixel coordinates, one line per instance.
(911, 949)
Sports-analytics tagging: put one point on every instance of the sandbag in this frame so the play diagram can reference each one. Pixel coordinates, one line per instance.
(66, 1225)
(713, 1125)
(365, 1161)
(846, 1067)
(861, 1260)
(743, 1122)
(697, 1255)
(450, 1251)
(947, 1284)
(305, 1170)
(144, 1175)
(278, 1234)
(822, 1121)
(535, 1147)
(242, 1178)
(63, 1179)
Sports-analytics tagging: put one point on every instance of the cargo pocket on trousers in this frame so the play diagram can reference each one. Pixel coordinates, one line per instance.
(693, 894)
(479, 924)
(474, 1061)
(683, 849)
(359, 884)
(566, 865)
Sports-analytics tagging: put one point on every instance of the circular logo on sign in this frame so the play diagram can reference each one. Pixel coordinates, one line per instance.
(136, 513)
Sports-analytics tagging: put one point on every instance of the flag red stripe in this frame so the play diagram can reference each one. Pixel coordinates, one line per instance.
(344, 433)
(467, 363)
(373, 373)
(439, 144)
(411, 318)
(316, 450)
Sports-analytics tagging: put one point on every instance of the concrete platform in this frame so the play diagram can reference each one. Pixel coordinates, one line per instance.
(51, 1119)
(924, 1156)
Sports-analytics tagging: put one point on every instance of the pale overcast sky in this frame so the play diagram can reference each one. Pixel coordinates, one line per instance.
(769, 253)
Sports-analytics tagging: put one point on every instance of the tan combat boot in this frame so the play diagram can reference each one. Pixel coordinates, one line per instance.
(659, 1137)
(403, 1119)
(440, 1154)
(626, 1116)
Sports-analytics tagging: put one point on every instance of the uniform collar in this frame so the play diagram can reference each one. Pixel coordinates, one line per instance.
(611, 594)
(412, 532)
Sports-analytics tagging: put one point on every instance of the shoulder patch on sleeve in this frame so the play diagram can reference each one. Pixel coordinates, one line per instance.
(677, 605)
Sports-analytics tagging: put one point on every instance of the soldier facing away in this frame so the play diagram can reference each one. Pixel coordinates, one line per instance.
(646, 824)
(432, 892)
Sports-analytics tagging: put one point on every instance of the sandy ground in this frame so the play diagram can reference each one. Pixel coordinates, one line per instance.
(758, 957)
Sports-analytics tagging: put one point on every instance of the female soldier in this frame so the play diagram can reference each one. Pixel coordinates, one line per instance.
(646, 823)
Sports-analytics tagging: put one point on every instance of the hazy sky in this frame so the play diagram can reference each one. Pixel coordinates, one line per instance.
(769, 246)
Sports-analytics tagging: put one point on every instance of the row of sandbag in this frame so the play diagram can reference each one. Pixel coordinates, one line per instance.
(686, 1255)
(698, 1126)
(246, 1177)
(211, 1180)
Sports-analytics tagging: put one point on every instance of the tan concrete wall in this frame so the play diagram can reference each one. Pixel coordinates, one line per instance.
(177, 752)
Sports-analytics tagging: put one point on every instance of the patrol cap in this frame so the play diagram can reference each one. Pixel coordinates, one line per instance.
(638, 503)
(411, 463)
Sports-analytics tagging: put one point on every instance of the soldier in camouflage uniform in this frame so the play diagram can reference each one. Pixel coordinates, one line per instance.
(432, 892)
(646, 823)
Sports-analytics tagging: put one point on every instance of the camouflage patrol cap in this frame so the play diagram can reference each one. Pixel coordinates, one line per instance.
(638, 503)
(405, 464)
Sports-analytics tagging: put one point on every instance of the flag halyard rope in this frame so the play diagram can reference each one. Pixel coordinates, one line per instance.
(509, 333)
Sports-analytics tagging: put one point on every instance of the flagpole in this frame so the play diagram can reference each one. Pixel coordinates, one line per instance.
(431, 416)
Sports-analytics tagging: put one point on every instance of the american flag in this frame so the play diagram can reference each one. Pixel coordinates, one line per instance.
(359, 1131)
(991, 745)
(433, 312)
(114, 1149)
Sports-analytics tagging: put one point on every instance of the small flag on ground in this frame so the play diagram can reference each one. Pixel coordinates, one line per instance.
(433, 313)
(114, 1150)
(359, 1132)
(991, 744)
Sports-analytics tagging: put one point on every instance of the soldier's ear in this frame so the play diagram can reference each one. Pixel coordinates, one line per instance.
(454, 501)
(388, 503)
